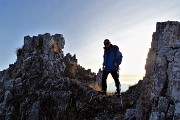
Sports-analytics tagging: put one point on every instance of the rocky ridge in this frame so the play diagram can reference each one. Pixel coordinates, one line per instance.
(43, 84)
(159, 97)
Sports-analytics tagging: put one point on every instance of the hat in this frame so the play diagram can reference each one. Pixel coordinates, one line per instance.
(106, 41)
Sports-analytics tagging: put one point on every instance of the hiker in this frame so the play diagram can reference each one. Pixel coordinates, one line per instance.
(112, 60)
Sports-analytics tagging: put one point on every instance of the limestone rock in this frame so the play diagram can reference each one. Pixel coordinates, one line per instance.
(163, 104)
(154, 116)
(34, 112)
(161, 93)
(129, 114)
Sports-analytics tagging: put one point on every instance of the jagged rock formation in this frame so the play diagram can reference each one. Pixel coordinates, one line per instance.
(43, 84)
(159, 98)
(74, 70)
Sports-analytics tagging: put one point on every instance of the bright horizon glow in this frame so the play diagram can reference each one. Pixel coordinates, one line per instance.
(85, 24)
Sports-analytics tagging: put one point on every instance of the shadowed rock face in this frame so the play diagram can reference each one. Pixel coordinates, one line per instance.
(160, 98)
(43, 84)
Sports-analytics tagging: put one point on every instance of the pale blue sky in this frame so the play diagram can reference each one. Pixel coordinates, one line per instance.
(85, 24)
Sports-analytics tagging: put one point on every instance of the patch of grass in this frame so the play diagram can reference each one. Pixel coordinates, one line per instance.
(95, 86)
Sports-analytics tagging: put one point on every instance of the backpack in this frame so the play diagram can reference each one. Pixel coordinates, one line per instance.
(118, 54)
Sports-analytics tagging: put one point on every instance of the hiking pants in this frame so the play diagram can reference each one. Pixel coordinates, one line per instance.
(115, 77)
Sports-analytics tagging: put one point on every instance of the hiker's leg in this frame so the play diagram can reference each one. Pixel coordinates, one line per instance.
(116, 79)
(104, 77)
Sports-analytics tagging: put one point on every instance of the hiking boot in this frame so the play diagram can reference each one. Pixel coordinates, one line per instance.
(102, 92)
(118, 94)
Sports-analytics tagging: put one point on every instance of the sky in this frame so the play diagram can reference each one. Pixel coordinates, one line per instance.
(85, 24)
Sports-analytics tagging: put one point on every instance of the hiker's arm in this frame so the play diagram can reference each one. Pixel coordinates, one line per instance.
(104, 61)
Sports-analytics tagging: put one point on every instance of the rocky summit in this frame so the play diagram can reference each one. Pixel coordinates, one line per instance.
(45, 84)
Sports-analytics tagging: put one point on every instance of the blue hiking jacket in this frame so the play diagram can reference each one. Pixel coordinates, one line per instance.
(112, 56)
